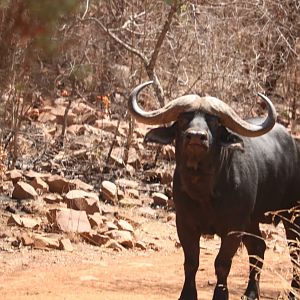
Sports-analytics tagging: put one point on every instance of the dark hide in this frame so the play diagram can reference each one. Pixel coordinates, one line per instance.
(227, 184)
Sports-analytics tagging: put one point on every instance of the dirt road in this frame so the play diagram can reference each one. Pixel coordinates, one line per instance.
(88, 273)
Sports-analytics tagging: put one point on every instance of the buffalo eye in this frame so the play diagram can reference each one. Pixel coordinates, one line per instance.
(184, 119)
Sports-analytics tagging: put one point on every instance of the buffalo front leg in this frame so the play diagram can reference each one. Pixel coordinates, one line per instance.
(256, 247)
(229, 246)
(189, 238)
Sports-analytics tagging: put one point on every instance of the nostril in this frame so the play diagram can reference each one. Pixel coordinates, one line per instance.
(203, 136)
(196, 136)
(188, 135)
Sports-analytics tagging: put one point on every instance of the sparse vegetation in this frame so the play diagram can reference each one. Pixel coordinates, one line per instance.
(68, 54)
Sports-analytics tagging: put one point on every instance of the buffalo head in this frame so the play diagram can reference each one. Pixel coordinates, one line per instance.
(200, 125)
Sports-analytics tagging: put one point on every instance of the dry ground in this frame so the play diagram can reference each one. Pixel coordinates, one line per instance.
(98, 273)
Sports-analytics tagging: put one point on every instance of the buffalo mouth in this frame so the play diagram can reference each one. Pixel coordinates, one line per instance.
(196, 146)
(196, 141)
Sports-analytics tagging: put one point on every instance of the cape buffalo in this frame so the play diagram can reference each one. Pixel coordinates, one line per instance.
(229, 174)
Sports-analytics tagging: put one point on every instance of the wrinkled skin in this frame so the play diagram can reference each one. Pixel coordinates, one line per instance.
(224, 184)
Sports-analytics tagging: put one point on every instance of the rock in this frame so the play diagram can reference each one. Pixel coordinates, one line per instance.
(30, 222)
(82, 200)
(40, 185)
(111, 226)
(13, 175)
(69, 220)
(24, 190)
(95, 238)
(23, 221)
(32, 174)
(134, 158)
(160, 199)
(44, 242)
(76, 129)
(58, 184)
(132, 193)
(16, 243)
(96, 220)
(125, 183)
(108, 210)
(107, 125)
(123, 237)
(26, 240)
(52, 198)
(46, 117)
(109, 191)
(115, 246)
(116, 160)
(147, 212)
(65, 244)
(14, 220)
(124, 225)
(59, 112)
(141, 245)
(80, 185)
(120, 194)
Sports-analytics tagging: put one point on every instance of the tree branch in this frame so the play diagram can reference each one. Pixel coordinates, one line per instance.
(148, 64)
(119, 41)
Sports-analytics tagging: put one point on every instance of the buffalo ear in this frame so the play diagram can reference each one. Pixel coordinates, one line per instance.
(231, 141)
(161, 135)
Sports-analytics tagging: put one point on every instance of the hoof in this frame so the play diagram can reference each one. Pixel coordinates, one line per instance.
(221, 292)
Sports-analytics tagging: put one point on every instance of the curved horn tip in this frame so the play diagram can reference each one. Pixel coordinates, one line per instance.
(261, 95)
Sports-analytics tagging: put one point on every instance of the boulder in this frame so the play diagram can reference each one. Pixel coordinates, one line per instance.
(44, 242)
(112, 244)
(82, 200)
(80, 185)
(123, 237)
(28, 222)
(126, 183)
(109, 191)
(95, 238)
(24, 221)
(52, 198)
(96, 220)
(124, 225)
(23, 190)
(65, 244)
(26, 240)
(133, 193)
(141, 245)
(160, 199)
(14, 220)
(40, 185)
(69, 220)
(58, 184)
(13, 175)
(111, 226)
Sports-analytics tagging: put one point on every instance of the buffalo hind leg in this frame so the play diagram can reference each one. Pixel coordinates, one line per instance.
(189, 238)
(229, 246)
(256, 248)
(292, 228)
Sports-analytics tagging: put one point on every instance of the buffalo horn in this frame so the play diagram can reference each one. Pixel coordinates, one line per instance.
(210, 105)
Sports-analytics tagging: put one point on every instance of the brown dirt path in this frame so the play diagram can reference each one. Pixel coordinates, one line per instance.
(88, 273)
